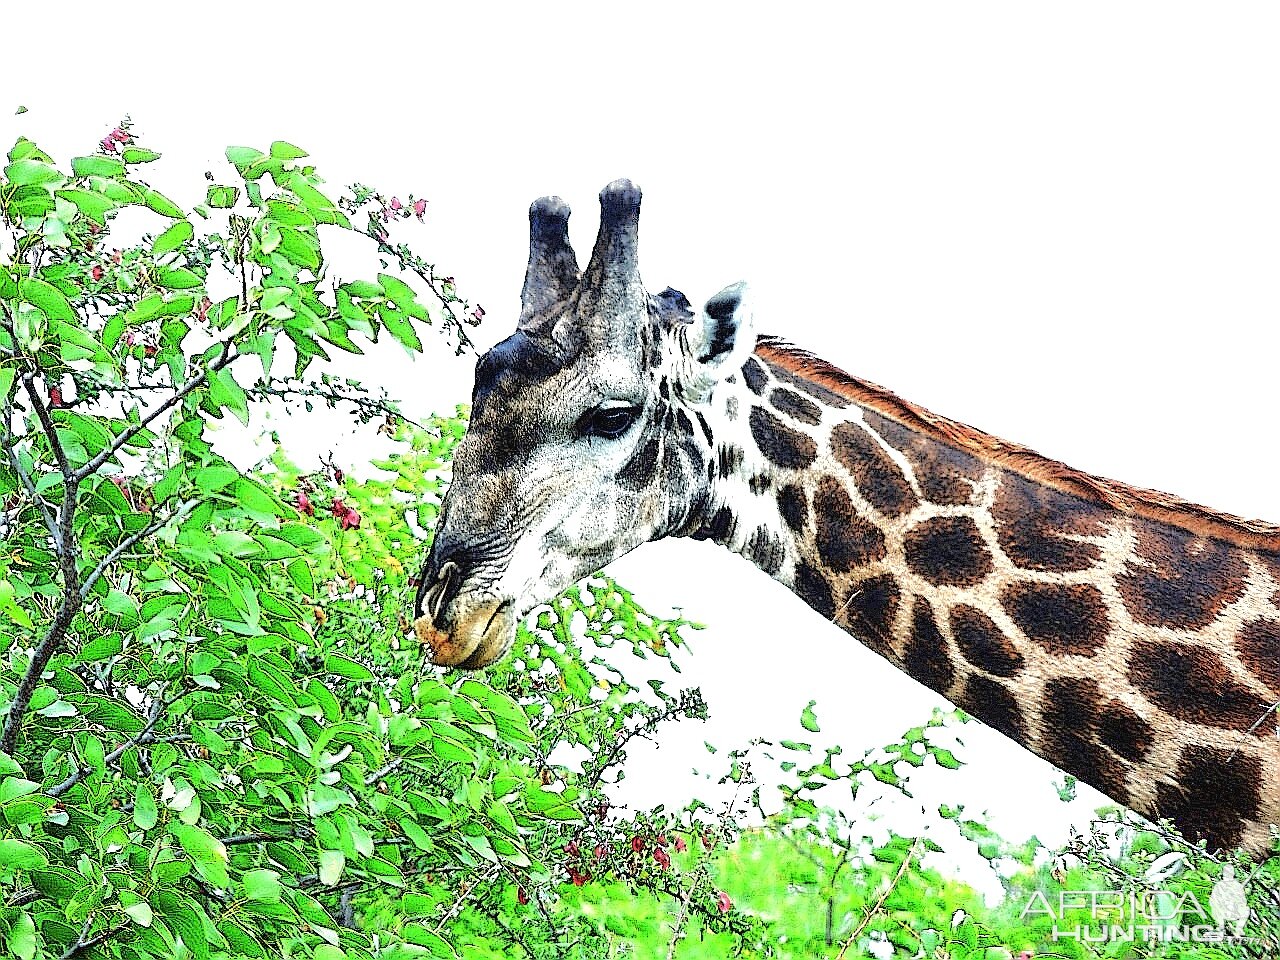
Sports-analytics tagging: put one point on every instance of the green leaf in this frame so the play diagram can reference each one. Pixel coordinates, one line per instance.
(262, 885)
(89, 202)
(47, 298)
(7, 375)
(13, 787)
(139, 913)
(346, 667)
(221, 197)
(10, 608)
(242, 157)
(209, 479)
(21, 855)
(224, 391)
(22, 937)
(97, 167)
(282, 150)
(300, 573)
(808, 719)
(145, 812)
(162, 205)
(172, 239)
(205, 850)
(180, 278)
(139, 155)
(24, 173)
(332, 863)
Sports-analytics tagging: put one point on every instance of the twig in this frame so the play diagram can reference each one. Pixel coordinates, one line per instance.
(10, 447)
(120, 548)
(122, 438)
(906, 862)
(81, 945)
(143, 736)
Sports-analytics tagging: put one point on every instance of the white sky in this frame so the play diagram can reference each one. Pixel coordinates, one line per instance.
(1058, 223)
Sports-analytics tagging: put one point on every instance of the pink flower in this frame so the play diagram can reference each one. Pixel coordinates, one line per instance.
(419, 208)
(395, 203)
(572, 848)
(723, 903)
(304, 504)
(203, 311)
(55, 397)
(338, 509)
(478, 313)
(579, 879)
(120, 135)
(599, 851)
(350, 519)
(681, 846)
(521, 897)
(108, 145)
(637, 844)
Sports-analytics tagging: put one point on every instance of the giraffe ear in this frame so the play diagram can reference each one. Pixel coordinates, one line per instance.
(720, 338)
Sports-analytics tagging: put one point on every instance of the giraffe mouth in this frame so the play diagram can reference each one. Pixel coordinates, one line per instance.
(475, 639)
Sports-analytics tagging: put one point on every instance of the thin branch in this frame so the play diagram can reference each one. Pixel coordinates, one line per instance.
(10, 447)
(906, 862)
(124, 545)
(129, 433)
(50, 428)
(243, 838)
(143, 736)
(81, 945)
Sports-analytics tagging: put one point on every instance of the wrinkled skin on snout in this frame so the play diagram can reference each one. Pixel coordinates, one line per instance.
(577, 451)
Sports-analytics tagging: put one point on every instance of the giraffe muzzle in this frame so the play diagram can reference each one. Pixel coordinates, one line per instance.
(456, 629)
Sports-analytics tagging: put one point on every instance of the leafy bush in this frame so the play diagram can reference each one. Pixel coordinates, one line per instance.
(213, 744)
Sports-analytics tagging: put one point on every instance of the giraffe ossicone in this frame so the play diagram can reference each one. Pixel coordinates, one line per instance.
(1128, 637)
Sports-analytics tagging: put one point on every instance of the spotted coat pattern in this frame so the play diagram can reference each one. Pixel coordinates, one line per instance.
(1138, 649)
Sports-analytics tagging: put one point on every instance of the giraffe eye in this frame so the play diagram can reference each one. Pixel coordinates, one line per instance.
(609, 422)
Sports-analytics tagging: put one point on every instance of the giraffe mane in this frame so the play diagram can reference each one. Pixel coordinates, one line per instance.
(1151, 504)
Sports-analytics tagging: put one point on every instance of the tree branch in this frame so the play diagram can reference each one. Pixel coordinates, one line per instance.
(143, 736)
(128, 434)
(10, 448)
(123, 546)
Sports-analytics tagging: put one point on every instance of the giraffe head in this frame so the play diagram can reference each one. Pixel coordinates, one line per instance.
(582, 443)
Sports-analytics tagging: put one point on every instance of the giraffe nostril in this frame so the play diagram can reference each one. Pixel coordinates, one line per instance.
(434, 598)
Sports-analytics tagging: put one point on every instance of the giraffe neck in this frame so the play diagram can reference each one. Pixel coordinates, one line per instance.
(1131, 640)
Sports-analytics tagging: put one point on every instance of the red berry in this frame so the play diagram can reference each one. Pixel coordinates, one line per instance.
(681, 847)
(478, 313)
(338, 509)
(395, 203)
(304, 504)
(521, 897)
(661, 857)
(55, 397)
(420, 208)
(599, 851)
(118, 134)
(150, 350)
(108, 145)
(572, 848)
(637, 844)
(723, 903)
(338, 475)
(96, 272)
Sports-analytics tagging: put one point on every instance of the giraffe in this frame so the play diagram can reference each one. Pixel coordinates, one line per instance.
(1130, 638)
